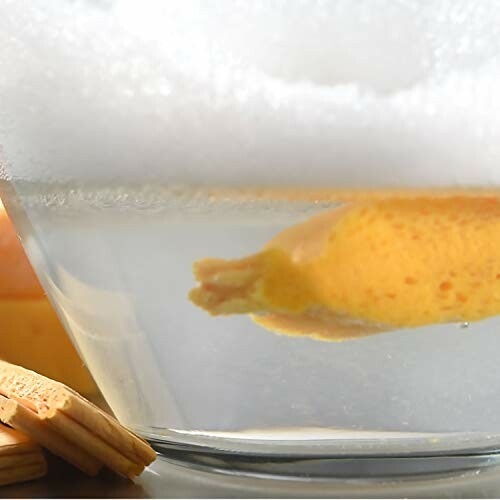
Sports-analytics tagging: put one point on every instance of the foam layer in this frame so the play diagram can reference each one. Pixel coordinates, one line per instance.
(371, 93)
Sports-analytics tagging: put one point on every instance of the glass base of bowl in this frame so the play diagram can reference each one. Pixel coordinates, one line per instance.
(321, 468)
(377, 457)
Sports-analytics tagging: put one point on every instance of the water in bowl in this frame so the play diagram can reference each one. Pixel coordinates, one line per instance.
(116, 262)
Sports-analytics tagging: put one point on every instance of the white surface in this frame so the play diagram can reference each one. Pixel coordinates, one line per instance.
(164, 480)
(370, 93)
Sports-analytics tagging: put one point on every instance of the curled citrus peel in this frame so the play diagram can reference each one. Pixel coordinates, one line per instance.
(366, 268)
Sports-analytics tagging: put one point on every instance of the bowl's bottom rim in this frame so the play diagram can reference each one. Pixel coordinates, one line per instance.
(324, 468)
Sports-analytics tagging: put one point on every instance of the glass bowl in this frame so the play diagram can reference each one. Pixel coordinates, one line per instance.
(137, 138)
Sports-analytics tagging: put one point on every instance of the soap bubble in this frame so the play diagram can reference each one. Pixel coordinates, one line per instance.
(373, 93)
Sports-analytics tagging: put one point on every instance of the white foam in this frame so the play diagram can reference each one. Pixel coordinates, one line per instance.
(366, 93)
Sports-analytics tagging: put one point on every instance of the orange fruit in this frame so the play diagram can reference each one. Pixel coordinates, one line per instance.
(31, 333)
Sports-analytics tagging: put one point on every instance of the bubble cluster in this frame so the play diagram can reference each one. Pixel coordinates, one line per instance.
(370, 93)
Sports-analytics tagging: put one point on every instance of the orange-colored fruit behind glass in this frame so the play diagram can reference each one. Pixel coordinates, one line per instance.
(30, 332)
